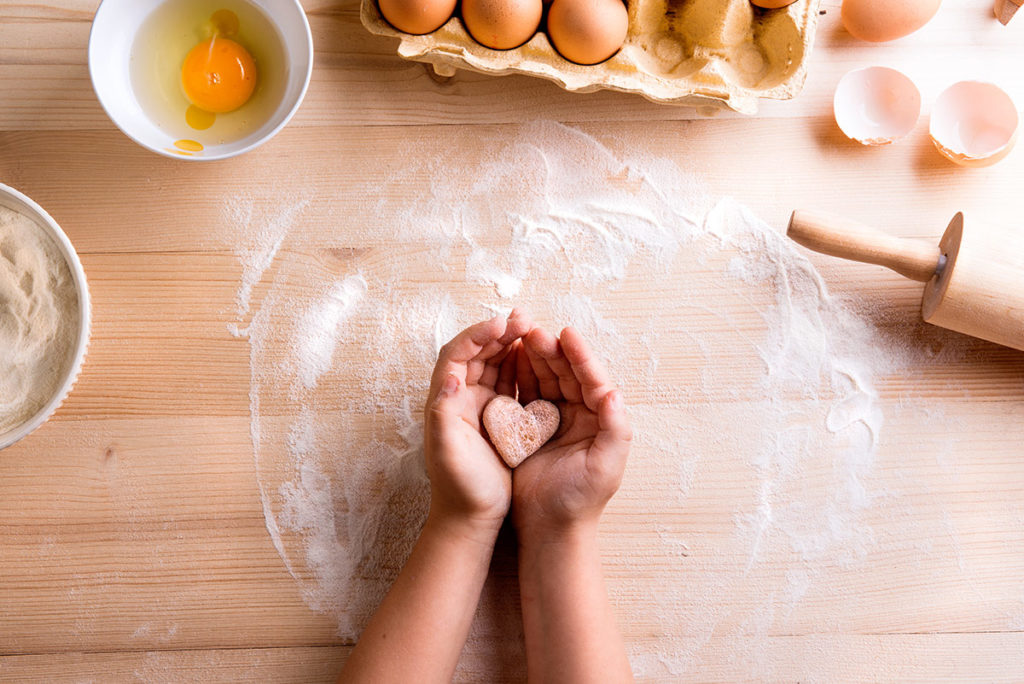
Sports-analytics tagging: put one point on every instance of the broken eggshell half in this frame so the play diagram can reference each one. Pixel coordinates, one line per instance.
(974, 123)
(876, 105)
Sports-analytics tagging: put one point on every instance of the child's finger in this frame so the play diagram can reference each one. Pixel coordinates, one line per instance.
(614, 434)
(594, 380)
(486, 372)
(519, 323)
(506, 381)
(456, 354)
(548, 348)
(483, 368)
(547, 381)
(526, 378)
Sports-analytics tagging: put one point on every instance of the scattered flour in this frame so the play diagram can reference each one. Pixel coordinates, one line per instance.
(771, 383)
(319, 328)
(267, 235)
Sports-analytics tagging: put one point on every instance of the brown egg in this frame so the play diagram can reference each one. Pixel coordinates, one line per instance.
(502, 24)
(417, 16)
(772, 4)
(881, 20)
(587, 31)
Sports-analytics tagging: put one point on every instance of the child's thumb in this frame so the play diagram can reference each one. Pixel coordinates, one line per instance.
(614, 433)
(451, 397)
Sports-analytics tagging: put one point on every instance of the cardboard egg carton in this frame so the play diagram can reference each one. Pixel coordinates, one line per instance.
(689, 52)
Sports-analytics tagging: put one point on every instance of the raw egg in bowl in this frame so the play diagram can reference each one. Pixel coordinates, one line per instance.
(200, 80)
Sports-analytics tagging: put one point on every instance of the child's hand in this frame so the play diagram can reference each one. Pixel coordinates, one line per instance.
(566, 484)
(469, 483)
(419, 629)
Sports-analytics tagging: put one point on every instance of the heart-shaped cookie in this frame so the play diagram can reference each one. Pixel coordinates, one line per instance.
(517, 431)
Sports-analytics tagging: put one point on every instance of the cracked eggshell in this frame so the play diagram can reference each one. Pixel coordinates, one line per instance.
(974, 123)
(876, 105)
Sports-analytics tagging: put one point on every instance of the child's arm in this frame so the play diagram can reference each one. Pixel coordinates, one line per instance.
(558, 496)
(418, 631)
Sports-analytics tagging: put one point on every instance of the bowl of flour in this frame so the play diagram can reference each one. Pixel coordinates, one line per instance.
(44, 316)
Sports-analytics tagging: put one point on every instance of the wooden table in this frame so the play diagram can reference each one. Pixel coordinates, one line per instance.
(133, 542)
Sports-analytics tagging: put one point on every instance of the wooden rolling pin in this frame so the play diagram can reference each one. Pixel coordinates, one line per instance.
(975, 278)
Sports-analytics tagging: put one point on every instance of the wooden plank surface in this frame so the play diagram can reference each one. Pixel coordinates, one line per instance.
(133, 539)
(299, 665)
(909, 657)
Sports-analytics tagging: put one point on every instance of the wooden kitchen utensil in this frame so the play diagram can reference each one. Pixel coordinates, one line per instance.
(975, 277)
(1005, 9)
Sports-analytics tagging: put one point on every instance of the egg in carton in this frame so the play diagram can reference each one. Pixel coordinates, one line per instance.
(688, 52)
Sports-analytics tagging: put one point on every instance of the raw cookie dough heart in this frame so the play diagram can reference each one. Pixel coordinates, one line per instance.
(517, 431)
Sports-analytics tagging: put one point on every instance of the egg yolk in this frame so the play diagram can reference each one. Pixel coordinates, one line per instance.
(188, 145)
(199, 119)
(218, 75)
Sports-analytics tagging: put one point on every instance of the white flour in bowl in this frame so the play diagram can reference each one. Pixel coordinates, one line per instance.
(38, 318)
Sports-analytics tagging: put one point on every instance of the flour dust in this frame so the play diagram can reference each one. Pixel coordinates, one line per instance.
(752, 390)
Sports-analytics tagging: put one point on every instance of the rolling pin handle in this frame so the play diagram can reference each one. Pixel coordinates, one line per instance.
(840, 237)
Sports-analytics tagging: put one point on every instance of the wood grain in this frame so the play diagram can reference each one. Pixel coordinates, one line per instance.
(919, 657)
(285, 665)
(133, 543)
(123, 206)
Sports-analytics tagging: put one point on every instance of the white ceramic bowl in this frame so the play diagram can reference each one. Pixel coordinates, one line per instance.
(12, 199)
(110, 43)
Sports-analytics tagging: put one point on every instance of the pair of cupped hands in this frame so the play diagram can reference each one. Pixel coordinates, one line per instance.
(564, 485)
